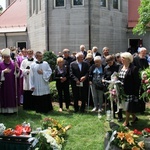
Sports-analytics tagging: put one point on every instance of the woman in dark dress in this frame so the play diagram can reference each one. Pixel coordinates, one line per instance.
(61, 76)
(130, 77)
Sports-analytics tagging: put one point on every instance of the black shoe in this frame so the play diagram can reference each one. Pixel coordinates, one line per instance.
(135, 120)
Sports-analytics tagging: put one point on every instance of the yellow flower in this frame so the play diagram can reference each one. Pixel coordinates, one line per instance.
(141, 144)
(135, 148)
(58, 139)
(130, 140)
(120, 135)
(128, 135)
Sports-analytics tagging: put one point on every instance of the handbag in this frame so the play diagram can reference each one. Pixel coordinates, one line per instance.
(97, 80)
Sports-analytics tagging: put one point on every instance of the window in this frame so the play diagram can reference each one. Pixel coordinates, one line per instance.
(103, 3)
(21, 44)
(77, 2)
(116, 4)
(59, 3)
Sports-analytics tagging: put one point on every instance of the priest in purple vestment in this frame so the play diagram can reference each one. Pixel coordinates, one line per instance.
(9, 75)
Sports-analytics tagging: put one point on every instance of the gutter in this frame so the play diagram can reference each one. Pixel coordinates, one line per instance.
(89, 18)
(5, 40)
(47, 25)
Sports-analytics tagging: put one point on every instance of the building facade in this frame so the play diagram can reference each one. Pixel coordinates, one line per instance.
(13, 25)
(58, 24)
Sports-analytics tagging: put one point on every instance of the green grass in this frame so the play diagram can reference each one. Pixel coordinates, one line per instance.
(87, 132)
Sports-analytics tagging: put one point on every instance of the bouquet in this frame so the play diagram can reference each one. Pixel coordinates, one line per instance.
(21, 129)
(145, 85)
(115, 90)
(52, 136)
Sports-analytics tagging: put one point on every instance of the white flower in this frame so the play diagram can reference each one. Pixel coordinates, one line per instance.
(2, 128)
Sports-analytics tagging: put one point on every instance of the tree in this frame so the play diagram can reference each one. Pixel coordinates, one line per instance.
(1, 9)
(144, 19)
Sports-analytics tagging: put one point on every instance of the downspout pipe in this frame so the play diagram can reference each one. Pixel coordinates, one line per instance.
(89, 18)
(5, 40)
(47, 25)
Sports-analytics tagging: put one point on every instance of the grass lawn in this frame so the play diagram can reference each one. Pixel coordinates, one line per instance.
(87, 132)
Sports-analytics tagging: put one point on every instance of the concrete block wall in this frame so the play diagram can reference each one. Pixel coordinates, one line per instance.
(37, 28)
(69, 27)
(12, 39)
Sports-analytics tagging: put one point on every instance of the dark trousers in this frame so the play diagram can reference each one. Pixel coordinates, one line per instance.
(80, 93)
(28, 102)
(43, 103)
(63, 91)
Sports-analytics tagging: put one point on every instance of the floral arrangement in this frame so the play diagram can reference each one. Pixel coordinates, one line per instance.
(21, 129)
(52, 136)
(115, 91)
(126, 139)
(145, 76)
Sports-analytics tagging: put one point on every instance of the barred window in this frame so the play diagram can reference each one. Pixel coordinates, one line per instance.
(59, 3)
(103, 3)
(78, 2)
(115, 4)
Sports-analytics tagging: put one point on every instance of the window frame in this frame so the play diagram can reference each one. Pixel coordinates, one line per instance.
(59, 6)
(77, 5)
(104, 6)
(119, 5)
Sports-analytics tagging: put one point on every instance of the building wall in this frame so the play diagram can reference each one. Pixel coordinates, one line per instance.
(12, 39)
(109, 26)
(36, 25)
(8, 2)
(69, 27)
(145, 38)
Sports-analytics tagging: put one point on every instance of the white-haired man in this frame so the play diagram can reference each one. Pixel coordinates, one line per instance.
(95, 52)
(82, 49)
(105, 53)
(79, 81)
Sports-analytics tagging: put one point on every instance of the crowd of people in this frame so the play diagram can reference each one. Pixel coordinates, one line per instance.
(24, 78)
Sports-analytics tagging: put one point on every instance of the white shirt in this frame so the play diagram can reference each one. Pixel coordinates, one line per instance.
(40, 81)
(26, 73)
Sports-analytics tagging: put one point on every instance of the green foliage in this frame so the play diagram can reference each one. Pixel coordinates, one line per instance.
(53, 91)
(50, 58)
(144, 19)
(1, 8)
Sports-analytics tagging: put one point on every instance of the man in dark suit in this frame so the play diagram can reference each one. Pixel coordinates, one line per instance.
(79, 81)
(82, 49)
(95, 51)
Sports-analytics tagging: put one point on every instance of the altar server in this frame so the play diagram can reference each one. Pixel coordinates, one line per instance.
(40, 73)
(27, 93)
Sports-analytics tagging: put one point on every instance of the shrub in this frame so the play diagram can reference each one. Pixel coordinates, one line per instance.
(51, 59)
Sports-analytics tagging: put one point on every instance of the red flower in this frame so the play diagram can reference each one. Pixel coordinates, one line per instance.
(146, 81)
(18, 130)
(147, 130)
(137, 132)
(148, 91)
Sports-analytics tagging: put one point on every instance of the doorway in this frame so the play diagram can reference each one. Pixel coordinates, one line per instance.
(134, 44)
(21, 45)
